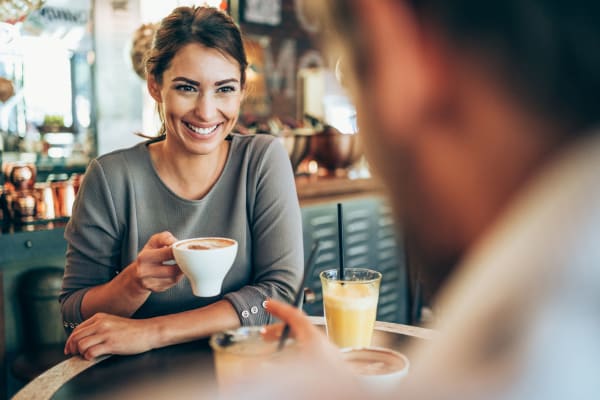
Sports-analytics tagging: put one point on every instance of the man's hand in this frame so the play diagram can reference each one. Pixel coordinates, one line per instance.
(307, 335)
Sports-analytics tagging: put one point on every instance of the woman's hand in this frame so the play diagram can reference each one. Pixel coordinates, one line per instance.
(148, 271)
(126, 293)
(109, 334)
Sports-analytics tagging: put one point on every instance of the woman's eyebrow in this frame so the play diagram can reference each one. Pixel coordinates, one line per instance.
(190, 81)
(224, 81)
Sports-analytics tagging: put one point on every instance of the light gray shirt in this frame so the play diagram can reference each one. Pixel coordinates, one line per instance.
(122, 202)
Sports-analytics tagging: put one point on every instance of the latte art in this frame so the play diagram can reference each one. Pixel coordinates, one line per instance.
(206, 244)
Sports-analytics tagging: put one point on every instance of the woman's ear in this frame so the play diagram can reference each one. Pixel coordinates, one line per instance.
(154, 89)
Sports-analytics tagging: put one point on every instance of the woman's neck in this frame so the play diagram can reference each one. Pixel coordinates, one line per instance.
(190, 176)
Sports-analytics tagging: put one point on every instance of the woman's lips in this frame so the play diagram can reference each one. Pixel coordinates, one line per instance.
(202, 131)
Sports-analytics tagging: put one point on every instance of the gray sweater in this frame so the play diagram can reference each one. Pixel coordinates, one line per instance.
(122, 202)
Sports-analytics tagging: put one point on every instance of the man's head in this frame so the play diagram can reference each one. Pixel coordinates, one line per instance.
(460, 102)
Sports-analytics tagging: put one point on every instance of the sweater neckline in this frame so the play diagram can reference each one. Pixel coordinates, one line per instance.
(148, 161)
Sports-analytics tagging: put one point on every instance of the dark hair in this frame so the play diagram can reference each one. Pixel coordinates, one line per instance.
(208, 26)
(545, 50)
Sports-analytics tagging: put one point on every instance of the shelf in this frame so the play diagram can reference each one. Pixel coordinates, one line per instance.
(313, 190)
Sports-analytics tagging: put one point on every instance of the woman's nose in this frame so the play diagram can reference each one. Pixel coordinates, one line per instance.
(205, 107)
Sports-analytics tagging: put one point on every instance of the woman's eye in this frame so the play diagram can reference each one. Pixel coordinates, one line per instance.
(185, 88)
(226, 89)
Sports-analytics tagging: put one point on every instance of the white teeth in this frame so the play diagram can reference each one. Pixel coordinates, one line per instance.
(201, 131)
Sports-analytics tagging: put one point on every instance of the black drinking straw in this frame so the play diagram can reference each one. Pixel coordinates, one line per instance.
(340, 241)
(298, 299)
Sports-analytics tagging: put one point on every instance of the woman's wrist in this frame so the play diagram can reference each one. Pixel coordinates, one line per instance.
(120, 296)
(132, 285)
(164, 330)
(154, 333)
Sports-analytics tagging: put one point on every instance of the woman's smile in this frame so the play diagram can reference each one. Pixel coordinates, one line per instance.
(200, 97)
(205, 132)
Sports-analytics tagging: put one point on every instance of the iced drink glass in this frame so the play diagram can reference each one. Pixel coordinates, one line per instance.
(350, 305)
(241, 352)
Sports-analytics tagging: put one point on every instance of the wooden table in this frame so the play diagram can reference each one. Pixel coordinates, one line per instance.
(180, 371)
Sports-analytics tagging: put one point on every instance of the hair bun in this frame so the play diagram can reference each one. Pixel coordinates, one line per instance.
(141, 44)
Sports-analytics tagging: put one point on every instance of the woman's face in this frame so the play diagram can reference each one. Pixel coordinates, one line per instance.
(200, 97)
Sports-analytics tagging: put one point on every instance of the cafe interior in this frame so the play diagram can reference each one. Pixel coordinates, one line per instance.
(315, 251)
(72, 88)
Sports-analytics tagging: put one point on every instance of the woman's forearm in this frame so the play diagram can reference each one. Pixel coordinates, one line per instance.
(109, 334)
(194, 324)
(120, 296)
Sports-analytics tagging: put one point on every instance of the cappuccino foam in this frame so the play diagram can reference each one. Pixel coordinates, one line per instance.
(206, 244)
(372, 362)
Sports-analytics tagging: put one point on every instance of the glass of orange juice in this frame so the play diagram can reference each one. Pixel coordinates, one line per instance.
(350, 304)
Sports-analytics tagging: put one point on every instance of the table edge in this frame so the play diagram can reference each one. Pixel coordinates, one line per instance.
(49, 382)
(45, 385)
(392, 327)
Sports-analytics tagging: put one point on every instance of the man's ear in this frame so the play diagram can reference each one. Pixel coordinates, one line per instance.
(154, 89)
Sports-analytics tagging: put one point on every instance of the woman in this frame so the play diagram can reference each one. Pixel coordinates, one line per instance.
(196, 179)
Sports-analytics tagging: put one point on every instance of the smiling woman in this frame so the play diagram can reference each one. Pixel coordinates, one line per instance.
(199, 98)
(206, 181)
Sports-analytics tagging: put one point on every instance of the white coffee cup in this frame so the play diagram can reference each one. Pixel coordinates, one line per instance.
(205, 261)
(378, 370)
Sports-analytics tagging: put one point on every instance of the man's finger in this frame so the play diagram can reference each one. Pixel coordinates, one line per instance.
(299, 323)
(272, 332)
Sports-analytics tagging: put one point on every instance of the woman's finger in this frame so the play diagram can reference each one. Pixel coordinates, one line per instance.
(160, 240)
(79, 333)
(97, 350)
(89, 341)
(156, 256)
(162, 272)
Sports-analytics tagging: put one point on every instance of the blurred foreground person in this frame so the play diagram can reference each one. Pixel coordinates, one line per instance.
(481, 118)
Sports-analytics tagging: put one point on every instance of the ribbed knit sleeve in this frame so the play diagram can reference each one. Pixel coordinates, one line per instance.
(92, 243)
(276, 229)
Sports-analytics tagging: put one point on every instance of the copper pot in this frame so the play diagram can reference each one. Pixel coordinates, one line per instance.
(335, 151)
(76, 179)
(297, 144)
(4, 217)
(45, 201)
(20, 175)
(23, 205)
(64, 196)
